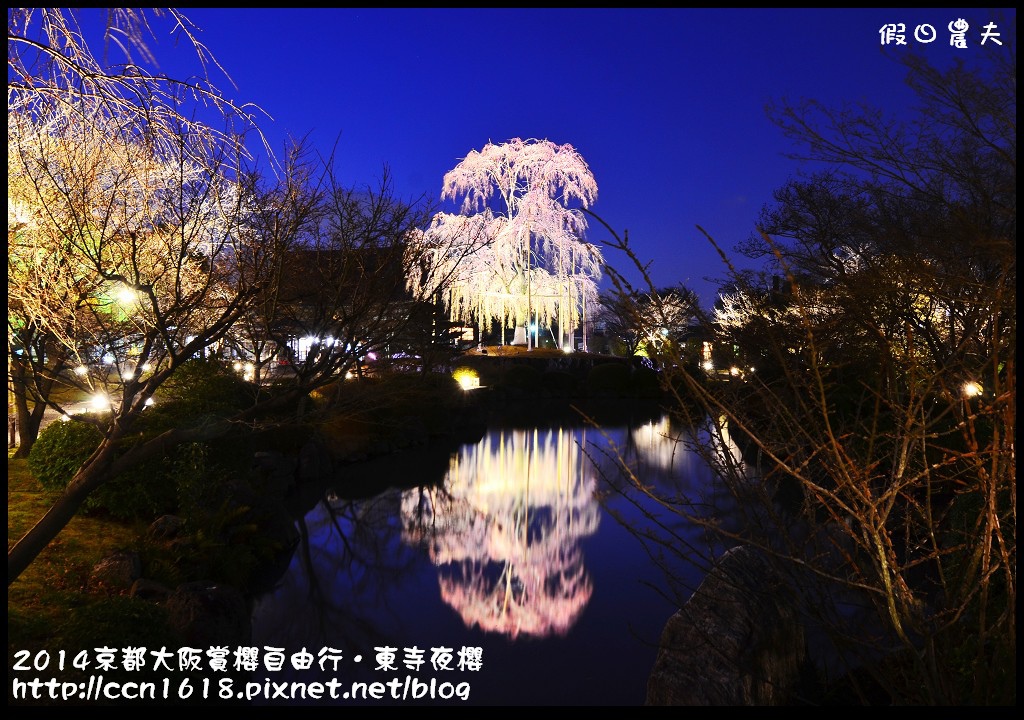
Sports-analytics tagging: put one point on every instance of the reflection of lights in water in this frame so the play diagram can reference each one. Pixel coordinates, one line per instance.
(656, 445)
(505, 531)
(729, 452)
(673, 450)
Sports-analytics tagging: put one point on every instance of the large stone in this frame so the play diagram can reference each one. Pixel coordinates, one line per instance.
(315, 464)
(206, 614)
(737, 641)
(116, 573)
(166, 527)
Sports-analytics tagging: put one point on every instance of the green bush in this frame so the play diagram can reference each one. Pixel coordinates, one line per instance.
(646, 382)
(206, 387)
(60, 450)
(560, 383)
(118, 621)
(197, 390)
(610, 378)
(523, 377)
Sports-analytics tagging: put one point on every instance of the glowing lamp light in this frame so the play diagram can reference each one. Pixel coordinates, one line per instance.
(149, 402)
(708, 365)
(734, 371)
(125, 295)
(567, 349)
(99, 402)
(971, 389)
(467, 378)
(81, 370)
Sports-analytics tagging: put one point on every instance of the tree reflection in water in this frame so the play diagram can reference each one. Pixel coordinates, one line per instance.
(503, 545)
(349, 559)
(505, 530)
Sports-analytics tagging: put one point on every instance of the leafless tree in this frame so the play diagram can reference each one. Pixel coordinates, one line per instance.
(140, 239)
(882, 419)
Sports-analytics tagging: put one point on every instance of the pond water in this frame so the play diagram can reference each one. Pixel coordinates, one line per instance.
(517, 562)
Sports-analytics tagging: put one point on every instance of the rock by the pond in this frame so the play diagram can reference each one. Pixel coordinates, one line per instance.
(206, 614)
(116, 573)
(737, 641)
(166, 527)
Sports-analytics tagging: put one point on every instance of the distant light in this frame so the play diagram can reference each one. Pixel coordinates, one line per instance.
(567, 349)
(65, 418)
(237, 366)
(108, 359)
(971, 389)
(349, 375)
(708, 365)
(129, 375)
(734, 370)
(82, 370)
(149, 402)
(147, 367)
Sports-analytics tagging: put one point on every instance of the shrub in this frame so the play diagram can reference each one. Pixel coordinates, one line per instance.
(645, 382)
(523, 377)
(204, 387)
(60, 450)
(118, 621)
(560, 383)
(610, 378)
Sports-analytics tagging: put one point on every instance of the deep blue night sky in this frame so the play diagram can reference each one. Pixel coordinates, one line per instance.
(666, 106)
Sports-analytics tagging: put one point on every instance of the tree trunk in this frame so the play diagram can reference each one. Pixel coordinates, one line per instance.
(89, 477)
(28, 419)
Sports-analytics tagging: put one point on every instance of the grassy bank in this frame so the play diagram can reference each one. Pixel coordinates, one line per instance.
(43, 600)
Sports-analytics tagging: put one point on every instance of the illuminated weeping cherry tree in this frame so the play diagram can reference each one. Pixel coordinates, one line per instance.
(524, 197)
